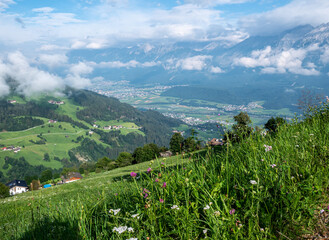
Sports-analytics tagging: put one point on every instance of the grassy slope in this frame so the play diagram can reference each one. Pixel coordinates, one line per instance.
(57, 144)
(242, 192)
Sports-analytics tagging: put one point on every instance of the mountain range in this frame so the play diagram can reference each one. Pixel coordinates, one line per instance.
(274, 69)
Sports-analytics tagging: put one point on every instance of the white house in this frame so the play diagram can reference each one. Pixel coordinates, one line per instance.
(17, 186)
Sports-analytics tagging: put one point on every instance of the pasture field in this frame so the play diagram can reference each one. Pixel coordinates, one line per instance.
(272, 186)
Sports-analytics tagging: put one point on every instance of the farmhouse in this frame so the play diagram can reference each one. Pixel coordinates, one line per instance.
(71, 177)
(17, 186)
(215, 142)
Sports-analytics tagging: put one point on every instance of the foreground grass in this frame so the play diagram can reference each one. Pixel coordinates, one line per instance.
(244, 191)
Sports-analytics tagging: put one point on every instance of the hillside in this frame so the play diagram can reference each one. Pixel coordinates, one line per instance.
(72, 132)
(266, 187)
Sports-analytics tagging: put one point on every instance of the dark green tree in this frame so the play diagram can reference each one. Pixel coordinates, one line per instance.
(273, 124)
(240, 129)
(176, 143)
(124, 159)
(46, 157)
(46, 175)
(4, 191)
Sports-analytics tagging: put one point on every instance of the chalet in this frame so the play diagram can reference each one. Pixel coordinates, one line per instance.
(216, 142)
(56, 102)
(91, 132)
(107, 128)
(166, 154)
(52, 121)
(71, 177)
(17, 186)
(12, 101)
(95, 126)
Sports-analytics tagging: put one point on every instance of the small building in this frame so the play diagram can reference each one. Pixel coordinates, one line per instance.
(71, 177)
(107, 128)
(17, 186)
(216, 142)
(52, 121)
(166, 154)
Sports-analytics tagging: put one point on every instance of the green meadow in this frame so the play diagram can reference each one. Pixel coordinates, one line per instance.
(272, 186)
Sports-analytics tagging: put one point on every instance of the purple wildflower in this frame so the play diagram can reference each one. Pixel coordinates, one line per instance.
(232, 211)
(133, 174)
(164, 185)
(157, 180)
(149, 170)
(146, 195)
(161, 200)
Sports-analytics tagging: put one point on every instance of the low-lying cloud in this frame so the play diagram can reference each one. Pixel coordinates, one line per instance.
(280, 61)
(29, 79)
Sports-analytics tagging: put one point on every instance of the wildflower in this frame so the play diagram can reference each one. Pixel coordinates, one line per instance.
(273, 165)
(164, 185)
(133, 174)
(232, 211)
(146, 195)
(135, 216)
(253, 182)
(162, 163)
(206, 207)
(267, 148)
(161, 200)
(157, 180)
(175, 207)
(130, 229)
(217, 213)
(116, 194)
(262, 160)
(120, 229)
(262, 229)
(115, 211)
(149, 170)
(328, 207)
(297, 145)
(210, 203)
(321, 211)
(205, 231)
(132, 239)
(311, 134)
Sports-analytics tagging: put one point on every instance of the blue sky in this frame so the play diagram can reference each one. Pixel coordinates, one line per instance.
(73, 24)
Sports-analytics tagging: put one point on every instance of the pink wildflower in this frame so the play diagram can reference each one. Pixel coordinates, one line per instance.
(164, 185)
(149, 170)
(232, 211)
(157, 180)
(161, 200)
(133, 174)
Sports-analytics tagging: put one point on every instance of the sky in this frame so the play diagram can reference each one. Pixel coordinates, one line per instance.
(35, 32)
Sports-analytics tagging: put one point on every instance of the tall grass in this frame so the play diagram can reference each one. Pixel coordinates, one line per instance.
(267, 187)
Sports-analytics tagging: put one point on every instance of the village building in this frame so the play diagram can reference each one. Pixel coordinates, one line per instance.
(52, 121)
(71, 177)
(216, 142)
(17, 186)
(166, 154)
(107, 128)
(12, 101)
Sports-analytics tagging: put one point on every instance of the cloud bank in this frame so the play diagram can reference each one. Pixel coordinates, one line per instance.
(284, 61)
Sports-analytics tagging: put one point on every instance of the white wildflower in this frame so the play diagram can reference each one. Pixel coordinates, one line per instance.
(210, 203)
(130, 229)
(135, 216)
(217, 213)
(115, 211)
(120, 229)
(253, 182)
(175, 207)
(267, 148)
(273, 165)
(321, 211)
(132, 239)
(206, 207)
(205, 231)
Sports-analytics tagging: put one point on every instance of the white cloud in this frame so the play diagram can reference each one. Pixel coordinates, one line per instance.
(53, 60)
(297, 12)
(280, 61)
(215, 2)
(81, 68)
(43, 10)
(30, 80)
(130, 64)
(325, 56)
(193, 63)
(76, 72)
(5, 4)
(216, 69)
